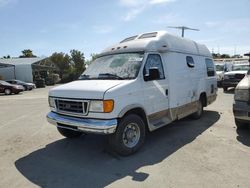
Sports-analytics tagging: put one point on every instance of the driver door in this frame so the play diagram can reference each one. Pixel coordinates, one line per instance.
(156, 98)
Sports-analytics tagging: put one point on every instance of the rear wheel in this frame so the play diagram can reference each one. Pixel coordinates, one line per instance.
(69, 133)
(199, 112)
(7, 91)
(129, 136)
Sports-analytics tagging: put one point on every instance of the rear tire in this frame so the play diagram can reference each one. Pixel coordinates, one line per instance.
(198, 114)
(129, 136)
(69, 133)
(7, 91)
(239, 124)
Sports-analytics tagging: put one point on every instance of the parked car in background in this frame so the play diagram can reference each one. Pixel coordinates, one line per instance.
(221, 68)
(27, 86)
(233, 77)
(241, 106)
(8, 88)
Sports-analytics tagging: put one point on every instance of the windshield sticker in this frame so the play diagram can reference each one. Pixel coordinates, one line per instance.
(135, 59)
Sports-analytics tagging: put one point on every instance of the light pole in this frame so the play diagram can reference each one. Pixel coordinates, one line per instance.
(183, 28)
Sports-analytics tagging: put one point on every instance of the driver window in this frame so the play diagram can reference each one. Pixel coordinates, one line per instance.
(154, 60)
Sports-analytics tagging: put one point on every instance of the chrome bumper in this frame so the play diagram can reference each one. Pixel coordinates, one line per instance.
(84, 125)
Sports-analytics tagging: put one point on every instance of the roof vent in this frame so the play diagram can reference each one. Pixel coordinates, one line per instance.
(148, 35)
(129, 39)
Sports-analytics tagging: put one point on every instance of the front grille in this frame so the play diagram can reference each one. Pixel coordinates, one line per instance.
(67, 106)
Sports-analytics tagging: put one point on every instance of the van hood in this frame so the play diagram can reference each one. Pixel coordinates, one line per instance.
(85, 89)
(244, 83)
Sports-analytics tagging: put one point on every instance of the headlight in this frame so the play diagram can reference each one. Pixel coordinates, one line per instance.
(52, 103)
(101, 106)
(241, 95)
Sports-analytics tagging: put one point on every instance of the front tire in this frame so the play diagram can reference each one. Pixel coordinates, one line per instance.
(69, 133)
(7, 91)
(129, 136)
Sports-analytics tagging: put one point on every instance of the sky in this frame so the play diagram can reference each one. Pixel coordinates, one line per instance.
(47, 26)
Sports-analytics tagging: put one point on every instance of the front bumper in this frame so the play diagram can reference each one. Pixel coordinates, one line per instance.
(241, 111)
(85, 125)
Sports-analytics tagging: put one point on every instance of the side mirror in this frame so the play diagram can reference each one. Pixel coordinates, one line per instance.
(154, 74)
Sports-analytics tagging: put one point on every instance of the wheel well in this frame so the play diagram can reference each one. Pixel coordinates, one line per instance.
(140, 112)
(203, 98)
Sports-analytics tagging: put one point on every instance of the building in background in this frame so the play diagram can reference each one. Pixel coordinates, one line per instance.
(25, 69)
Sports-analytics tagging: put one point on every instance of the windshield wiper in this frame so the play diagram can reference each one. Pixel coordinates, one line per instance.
(84, 77)
(109, 75)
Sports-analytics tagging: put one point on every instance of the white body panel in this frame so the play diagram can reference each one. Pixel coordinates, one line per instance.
(161, 100)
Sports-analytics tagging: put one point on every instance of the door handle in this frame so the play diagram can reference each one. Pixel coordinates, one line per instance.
(166, 92)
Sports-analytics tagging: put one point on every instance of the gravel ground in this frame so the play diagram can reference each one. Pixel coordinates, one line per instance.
(209, 152)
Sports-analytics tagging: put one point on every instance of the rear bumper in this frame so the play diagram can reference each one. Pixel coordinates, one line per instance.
(241, 111)
(85, 125)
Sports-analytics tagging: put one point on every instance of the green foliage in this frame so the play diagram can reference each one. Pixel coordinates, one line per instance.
(6, 57)
(93, 57)
(27, 53)
(222, 56)
(62, 61)
(78, 61)
(70, 67)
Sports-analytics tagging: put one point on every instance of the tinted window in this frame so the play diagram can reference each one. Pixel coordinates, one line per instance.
(154, 60)
(210, 67)
(190, 61)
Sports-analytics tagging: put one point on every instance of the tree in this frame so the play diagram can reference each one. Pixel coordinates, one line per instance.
(27, 53)
(62, 61)
(93, 57)
(78, 60)
(6, 57)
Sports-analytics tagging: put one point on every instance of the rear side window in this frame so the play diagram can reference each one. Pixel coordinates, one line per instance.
(154, 60)
(210, 67)
(190, 62)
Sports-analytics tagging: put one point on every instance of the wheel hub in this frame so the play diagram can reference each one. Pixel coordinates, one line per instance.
(131, 135)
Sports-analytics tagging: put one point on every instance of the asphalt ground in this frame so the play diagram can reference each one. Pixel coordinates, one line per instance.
(209, 152)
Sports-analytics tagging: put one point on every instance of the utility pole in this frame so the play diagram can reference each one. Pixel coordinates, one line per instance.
(183, 28)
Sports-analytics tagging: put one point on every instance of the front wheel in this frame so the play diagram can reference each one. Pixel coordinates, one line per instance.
(7, 91)
(129, 136)
(69, 133)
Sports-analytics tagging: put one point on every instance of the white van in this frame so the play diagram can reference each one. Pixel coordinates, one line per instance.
(140, 84)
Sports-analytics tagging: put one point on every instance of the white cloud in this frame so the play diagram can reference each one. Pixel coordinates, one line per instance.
(103, 29)
(170, 18)
(6, 2)
(135, 7)
(160, 1)
(131, 14)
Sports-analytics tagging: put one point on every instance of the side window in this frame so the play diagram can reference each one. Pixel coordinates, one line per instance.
(154, 60)
(190, 62)
(210, 67)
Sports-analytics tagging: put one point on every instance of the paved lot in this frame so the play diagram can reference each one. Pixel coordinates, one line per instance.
(204, 153)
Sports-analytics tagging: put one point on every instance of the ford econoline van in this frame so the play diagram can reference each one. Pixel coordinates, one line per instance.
(140, 84)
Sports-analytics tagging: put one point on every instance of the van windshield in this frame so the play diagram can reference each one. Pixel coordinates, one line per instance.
(240, 67)
(114, 66)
